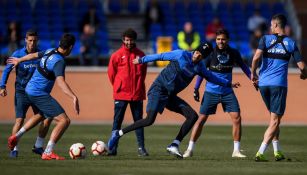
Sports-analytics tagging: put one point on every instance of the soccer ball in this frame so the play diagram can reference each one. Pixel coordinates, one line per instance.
(77, 151)
(98, 148)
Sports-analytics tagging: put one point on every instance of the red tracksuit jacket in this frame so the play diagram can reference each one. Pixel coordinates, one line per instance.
(128, 79)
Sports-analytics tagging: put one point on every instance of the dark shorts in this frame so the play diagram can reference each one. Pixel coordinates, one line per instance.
(22, 104)
(47, 105)
(157, 98)
(211, 100)
(275, 98)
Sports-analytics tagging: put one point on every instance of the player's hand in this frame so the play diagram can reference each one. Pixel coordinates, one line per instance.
(136, 61)
(13, 60)
(254, 78)
(3, 92)
(235, 85)
(196, 95)
(76, 105)
(303, 77)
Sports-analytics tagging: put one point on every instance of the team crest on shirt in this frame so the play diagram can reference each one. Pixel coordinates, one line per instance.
(223, 58)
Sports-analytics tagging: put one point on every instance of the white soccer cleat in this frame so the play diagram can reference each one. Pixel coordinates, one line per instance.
(174, 150)
(188, 153)
(238, 154)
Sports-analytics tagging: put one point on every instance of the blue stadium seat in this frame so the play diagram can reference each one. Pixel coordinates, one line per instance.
(114, 6)
(133, 6)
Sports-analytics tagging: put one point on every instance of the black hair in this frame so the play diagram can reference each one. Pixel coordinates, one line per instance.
(281, 20)
(31, 32)
(67, 40)
(222, 32)
(130, 33)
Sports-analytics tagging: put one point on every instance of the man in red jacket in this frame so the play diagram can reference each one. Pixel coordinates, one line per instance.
(128, 82)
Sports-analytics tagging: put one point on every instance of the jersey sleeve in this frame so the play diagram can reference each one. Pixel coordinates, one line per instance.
(296, 54)
(59, 68)
(6, 72)
(166, 56)
(41, 53)
(242, 65)
(261, 45)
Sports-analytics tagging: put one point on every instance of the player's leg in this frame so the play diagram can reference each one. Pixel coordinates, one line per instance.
(42, 133)
(120, 107)
(208, 107)
(137, 114)
(178, 105)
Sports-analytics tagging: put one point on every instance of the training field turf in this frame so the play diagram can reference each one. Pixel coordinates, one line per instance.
(212, 155)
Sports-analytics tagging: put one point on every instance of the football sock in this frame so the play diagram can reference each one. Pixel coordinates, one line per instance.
(39, 142)
(49, 147)
(276, 145)
(191, 145)
(120, 132)
(20, 132)
(177, 142)
(262, 148)
(236, 145)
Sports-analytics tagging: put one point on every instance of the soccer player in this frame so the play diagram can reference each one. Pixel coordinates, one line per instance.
(24, 72)
(184, 65)
(221, 62)
(128, 81)
(51, 69)
(275, 50)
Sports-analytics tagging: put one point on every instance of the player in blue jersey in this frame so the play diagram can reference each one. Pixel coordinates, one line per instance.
(221, 62)
(24, 72)
(184, 65)
(51, 69)
(275, 50)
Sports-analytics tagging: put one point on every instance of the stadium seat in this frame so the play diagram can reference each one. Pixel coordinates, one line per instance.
(133, 6)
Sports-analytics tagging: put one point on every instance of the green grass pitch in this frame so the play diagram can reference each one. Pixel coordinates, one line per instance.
(212, 153)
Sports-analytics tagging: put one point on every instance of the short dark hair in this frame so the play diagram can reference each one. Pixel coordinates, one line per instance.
(67, 40)
(222, 32)
(130, 33)
(31, 32)
(281, 20)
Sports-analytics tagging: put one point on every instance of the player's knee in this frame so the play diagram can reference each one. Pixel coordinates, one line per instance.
(67, 121)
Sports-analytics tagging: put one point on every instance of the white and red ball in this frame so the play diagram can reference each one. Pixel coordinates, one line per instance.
(99, 148)
(77, 151)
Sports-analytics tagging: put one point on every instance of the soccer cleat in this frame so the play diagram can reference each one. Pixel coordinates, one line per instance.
(12, 142)
(238, 154)
(51, 156)
(188, 153)
(174, 150)
(39, 151)
(14, 154)
(279, 156)
(113, 141)
(142, 152)
(112, 152)
(260, 158)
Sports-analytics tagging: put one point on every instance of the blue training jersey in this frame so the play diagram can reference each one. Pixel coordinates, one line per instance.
(275, 59)
(181, 71)
(24, 71)
(40, 85)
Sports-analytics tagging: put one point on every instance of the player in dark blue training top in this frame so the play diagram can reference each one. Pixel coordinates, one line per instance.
(184, 65)
(24, 72)
(275, 50)
(51, 69)
(221, 62)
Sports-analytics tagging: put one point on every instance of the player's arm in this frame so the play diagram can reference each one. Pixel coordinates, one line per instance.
(209, 76)
(242, 65)
(199, 80)
(32, 56)
(166, 56)
(112, 69)
(300, 63)
(59, 72)
(257, 57)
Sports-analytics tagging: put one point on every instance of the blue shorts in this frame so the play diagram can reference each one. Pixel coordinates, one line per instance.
(275, 98)
(22, 104)
(211, 100)
(47, 105)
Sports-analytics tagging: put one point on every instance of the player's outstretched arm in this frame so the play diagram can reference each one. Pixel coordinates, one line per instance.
(67, 90)
(15, 61)
(255, 62)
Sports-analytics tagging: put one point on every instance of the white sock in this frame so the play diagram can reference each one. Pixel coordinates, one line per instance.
(177, 142)
(236, 146)
(262, 148)
(276, 146)
(39, 142)
(20, 132)
(16, 148)
(191, 145)
(49, 147)
(120, 132)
